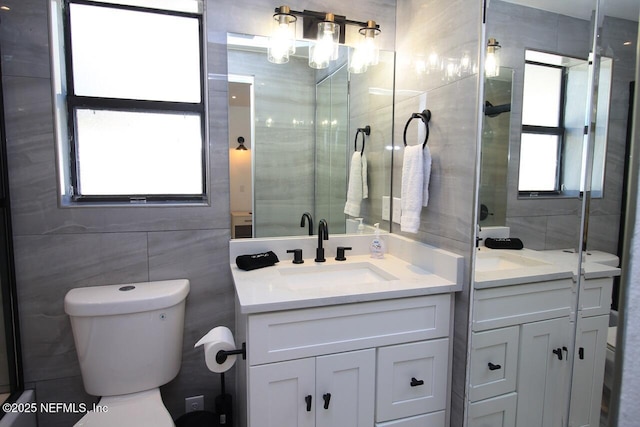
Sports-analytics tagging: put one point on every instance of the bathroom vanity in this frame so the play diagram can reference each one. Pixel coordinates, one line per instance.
(523, 358)
(360, 342)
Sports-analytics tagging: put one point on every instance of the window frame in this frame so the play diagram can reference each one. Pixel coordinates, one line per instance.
(558, 131)
(74, 102)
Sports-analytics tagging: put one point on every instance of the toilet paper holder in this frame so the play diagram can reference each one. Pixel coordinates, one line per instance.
(222, 355)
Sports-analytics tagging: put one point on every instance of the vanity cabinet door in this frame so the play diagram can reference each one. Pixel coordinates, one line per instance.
(345, 389)
(595, 297)
(494, 363)
(412, 379)
(543, 370)
(496, 412)
(282, 394)
(588, 371)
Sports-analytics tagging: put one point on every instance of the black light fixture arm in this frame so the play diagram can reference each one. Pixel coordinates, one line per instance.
(320, 16)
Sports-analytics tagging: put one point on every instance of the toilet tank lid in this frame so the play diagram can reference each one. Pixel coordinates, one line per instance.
(126, 298)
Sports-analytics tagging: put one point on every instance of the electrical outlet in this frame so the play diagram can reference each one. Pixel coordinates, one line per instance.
(194, 403)
(386, 208)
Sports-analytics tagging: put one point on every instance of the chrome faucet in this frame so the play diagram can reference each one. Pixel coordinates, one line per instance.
(323, 234)
(307, 215)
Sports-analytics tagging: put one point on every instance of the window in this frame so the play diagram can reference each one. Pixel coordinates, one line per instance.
(133, 95)
(543, 130)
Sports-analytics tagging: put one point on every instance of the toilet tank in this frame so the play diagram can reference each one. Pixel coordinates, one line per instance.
(128, 337)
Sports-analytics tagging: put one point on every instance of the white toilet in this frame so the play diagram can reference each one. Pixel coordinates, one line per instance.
(129, 343)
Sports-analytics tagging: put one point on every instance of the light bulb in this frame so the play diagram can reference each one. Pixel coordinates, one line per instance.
(282, 42)
(492, 59)
(325, 48)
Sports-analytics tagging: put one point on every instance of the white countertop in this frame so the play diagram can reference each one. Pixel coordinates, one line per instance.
(272, 288)
(558, 264)
(266, 289)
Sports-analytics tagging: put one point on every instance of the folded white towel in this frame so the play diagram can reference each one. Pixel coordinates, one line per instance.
(416, 171)
(357, 189)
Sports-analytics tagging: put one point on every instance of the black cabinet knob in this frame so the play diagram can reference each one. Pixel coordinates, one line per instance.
(297, 255)
(416, 383)
(340, 253)
(493, 367)
(307, 400)
(326, 397)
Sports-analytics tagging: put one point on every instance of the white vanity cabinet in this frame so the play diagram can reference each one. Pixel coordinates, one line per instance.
(331, 390)
(379, 363)
(591, 346)
(525, 367)
(520, 354)
(588, 371)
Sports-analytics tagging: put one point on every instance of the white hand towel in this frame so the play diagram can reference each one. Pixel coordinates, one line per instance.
(357, 189)
(426, 162)
(416, 171)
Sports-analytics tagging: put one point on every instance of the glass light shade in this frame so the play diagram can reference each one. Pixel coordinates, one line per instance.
(368, 44)
(358, 62)
(492, 59)
(325, 48)
(282, 42)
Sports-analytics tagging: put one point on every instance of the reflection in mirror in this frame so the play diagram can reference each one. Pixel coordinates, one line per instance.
(495, 149)
(300, 125)
(552, 159)
(552, 225)
(543, 223)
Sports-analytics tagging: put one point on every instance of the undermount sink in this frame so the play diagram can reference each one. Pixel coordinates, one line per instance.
(302, 277)
(495, 260)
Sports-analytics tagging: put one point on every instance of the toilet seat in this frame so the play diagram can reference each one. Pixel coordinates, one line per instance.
(142, 409)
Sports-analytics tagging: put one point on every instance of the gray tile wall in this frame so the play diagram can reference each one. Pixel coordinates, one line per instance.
(61, 248)
(425, 27)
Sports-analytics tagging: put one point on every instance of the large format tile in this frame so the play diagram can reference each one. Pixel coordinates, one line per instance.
(203, 258)
(25, 39)
(49, 266)
(452, 145)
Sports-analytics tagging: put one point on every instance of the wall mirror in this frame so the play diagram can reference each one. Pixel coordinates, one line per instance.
(554, 222)
(292, 135)
(567, 215)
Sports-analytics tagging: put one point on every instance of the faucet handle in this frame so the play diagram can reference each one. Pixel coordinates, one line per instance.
(297, 255)
(340, 254)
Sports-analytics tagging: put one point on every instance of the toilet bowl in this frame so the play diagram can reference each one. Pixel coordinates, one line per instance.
(145, 408)
(129, 342)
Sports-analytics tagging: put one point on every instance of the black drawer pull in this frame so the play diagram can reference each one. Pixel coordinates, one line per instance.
(416, 383)
(493, 367)
(581, 353)
(308, 400)
(558, 352)
(327, 398)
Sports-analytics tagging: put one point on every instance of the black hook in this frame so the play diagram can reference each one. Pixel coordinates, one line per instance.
(364, 131)
(425, 116)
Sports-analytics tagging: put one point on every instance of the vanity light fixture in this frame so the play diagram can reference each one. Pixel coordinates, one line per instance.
(282, 42)
(325, 48)
(241, 146)
(492, 60)
(366, 52)
(326, 30)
